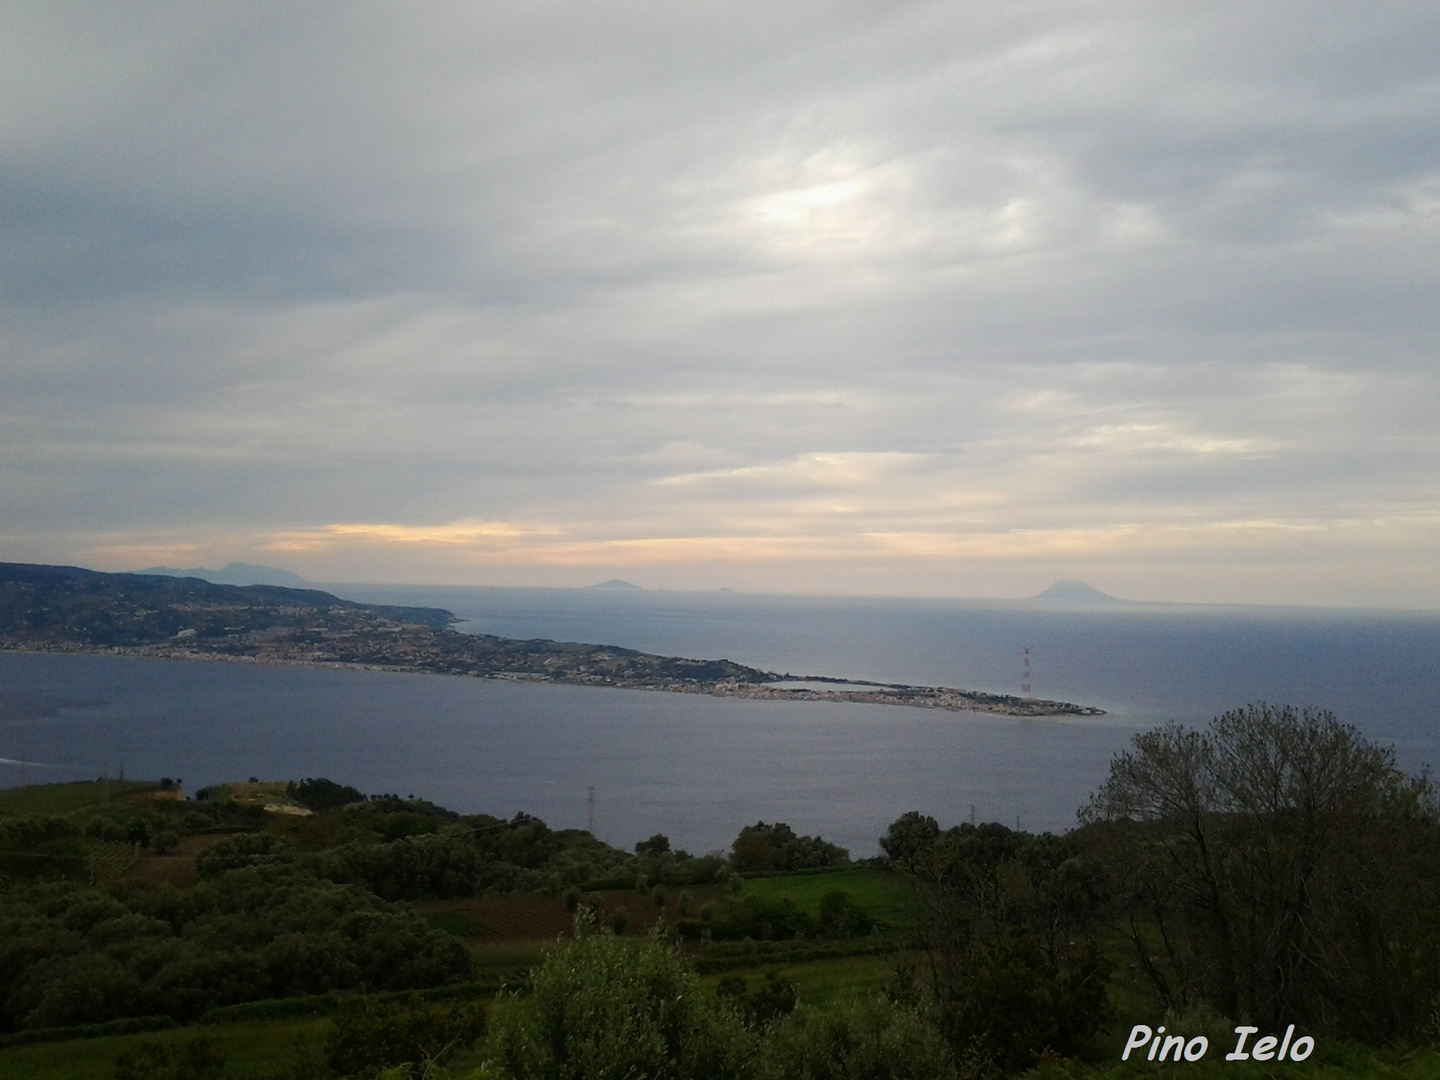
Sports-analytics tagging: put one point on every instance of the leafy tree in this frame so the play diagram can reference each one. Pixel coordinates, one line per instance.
(1016, 1001)
(1278, 867)
(776, 847)
(40, 846)
(761, 918)
(75, 989)
(524, 841)
(72, 955)
(234, 852)
(418, 867)
(318, 793)
(31, 833)
(1005, 920)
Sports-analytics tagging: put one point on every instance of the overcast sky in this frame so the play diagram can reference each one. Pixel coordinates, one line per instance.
(911, 298)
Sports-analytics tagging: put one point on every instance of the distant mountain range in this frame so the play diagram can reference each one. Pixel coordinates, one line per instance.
(236, 573)
(1075, 593)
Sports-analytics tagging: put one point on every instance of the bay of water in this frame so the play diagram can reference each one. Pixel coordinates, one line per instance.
(698, 768)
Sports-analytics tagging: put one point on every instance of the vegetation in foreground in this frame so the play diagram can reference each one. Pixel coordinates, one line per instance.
(1271, 870)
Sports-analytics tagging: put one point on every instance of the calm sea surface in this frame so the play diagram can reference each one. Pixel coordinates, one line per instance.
(698, 768)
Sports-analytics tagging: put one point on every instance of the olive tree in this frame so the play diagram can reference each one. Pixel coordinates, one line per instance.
(602, 1006)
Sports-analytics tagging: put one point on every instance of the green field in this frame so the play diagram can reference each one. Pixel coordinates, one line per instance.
(248, 1047)
(822, 983)
(882, 896)
(70, 800)
(506, 956)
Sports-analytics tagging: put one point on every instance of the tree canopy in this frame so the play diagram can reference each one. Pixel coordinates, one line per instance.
(1277, 866)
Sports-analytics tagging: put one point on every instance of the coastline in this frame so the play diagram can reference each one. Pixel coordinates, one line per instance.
(948, 699)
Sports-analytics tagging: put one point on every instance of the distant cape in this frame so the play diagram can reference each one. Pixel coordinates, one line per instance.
(1075, 592)
(236, 573)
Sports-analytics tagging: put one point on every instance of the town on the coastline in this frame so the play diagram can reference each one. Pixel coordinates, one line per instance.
(70, 609)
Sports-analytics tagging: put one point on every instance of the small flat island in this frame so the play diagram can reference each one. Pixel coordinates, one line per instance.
(70, 609)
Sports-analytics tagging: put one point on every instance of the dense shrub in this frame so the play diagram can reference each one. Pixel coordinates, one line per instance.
(606, 1007)
(867, 1039)
(775, 997)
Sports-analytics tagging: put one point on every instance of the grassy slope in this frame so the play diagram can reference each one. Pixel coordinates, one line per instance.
(70, 800)
(248, 1047)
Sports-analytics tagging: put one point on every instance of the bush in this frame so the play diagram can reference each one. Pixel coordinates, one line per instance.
(864, 1040)
(605, 1007)
(840, 917)
(776, 997)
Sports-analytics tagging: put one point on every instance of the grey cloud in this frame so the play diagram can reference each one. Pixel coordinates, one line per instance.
(1064, 263)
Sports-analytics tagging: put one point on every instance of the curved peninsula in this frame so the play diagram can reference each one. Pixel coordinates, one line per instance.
(70, 609)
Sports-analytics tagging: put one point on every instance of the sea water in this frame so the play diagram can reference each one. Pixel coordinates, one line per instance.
(698, 768)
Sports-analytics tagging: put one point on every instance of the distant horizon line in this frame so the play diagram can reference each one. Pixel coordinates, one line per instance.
(1115, 604)
(1109, 602)
(1104, 602)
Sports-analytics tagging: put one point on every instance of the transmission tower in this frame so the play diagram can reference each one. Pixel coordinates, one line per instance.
(1025, 671)
(590, 810)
